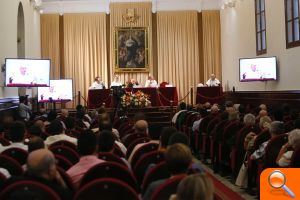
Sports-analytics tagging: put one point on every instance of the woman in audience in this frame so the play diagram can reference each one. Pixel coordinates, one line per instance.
(178, 159)
(287, 150)
(195, 187)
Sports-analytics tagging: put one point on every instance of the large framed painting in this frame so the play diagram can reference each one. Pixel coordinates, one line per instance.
(131, 49)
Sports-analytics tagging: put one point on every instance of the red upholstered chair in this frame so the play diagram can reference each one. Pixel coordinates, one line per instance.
(63, 162)
(295, 160)
(106, 188)
(163, 84)
(134, 143)
(64, 143)
(110, 170)
(143, 150)
(143, 163)
(159, 171)
(67, 152)
(272, 150)
(168, 188)
(4, 142)
(111, 158)
(11, 165)
(18, 154)
(31, 190)
(128, 139)
(66, 178)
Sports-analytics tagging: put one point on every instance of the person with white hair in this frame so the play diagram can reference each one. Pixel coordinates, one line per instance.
(151, 82)
(213, 81)
(116, 81)
(287, 150)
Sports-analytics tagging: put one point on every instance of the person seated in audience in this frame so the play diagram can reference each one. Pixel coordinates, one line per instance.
(213, 81)
(70, 124)
(5, 124)
(105, 118)
(179, 137)
(107, 126)
(278, 115)
(263, 107)
(40, 124)
(81, 121)
(261, 113)
(64, 114)
(35, 144)
(166, 134)
(141, 127)
(87, 147)
(52, 115)
(57, 133)
(277, 128)
(107, 144)
(16, 136)
(178, 158)
(195, 187)
(181, 108)
(34, 131)
(116, 81)
(287, 150)
(97, 84)
(151, 82)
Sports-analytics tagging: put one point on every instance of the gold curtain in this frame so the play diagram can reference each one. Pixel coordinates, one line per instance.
(50, 47)
(85, 55)
(144, 12)
(178, 50)
(211, 38)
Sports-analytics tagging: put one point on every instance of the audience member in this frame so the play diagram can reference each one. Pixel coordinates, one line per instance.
(178, 137)
(178, 158)
(88, 149)
(181, 108)
(35, 144)
(24, 109)
(165, 136)
(195, 187)
(287, 150)
(277, 128)
(16, 136)
(57, 133)
(141, 127)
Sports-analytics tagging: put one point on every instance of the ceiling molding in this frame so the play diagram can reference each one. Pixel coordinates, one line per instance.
(86, 6)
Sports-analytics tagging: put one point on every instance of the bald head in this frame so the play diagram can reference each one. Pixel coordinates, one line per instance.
(40, 163)
(64, 112)
(141, 126)
(212, 76)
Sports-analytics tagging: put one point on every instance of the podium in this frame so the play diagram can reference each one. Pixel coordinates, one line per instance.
(210, 94)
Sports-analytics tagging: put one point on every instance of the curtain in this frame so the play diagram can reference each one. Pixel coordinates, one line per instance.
(178, 50)
(85, 54)
(211, 38)
(50, 48)
(144, 13)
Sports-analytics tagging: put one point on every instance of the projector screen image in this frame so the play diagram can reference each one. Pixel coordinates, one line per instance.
(59, 90)
(27, 72)
(258, 69)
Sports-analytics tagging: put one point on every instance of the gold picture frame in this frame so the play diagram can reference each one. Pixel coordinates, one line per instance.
(131, 49)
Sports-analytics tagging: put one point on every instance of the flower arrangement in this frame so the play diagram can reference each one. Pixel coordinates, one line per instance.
(135, 100)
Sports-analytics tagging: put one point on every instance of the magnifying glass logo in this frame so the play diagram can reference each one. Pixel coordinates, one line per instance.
(277, 180)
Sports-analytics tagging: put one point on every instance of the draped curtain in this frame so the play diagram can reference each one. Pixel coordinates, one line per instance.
(144, 13)
(211, 30)
(85, 54)
(50, 47)
(178, 50)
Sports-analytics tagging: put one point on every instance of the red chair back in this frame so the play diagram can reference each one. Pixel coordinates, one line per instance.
(65, 144)
(142, 151)
(18, 154)
(111, 158)
(158, 172)
(30, 190)
(134, 143)
(163, 84)
(106, 188)
(168, 188)
(66, 178)
(143, 163)
(109, 170)
(62, 162)
(295, 160)
(272, 150)
(12, 166)
(67, 152)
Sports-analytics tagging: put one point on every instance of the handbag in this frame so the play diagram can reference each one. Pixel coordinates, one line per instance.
(242, 178)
